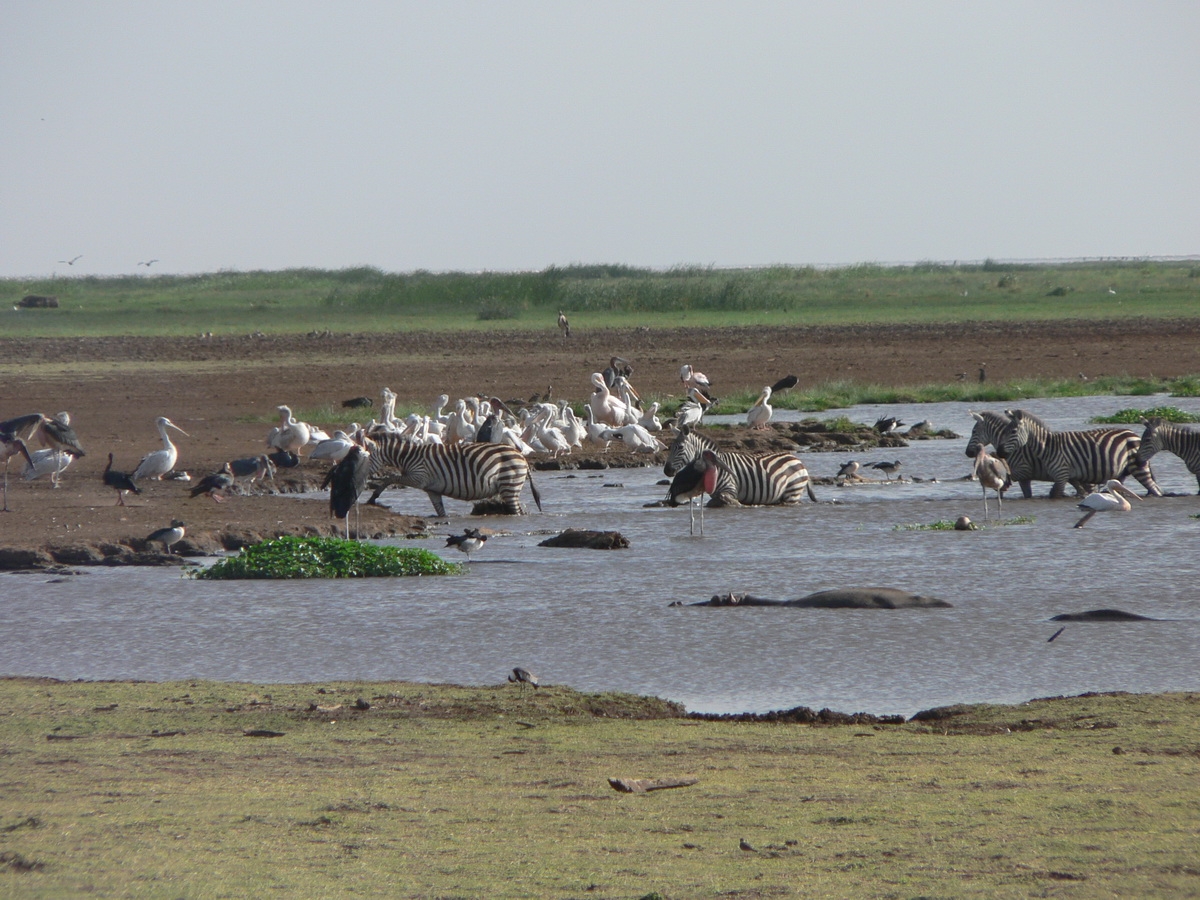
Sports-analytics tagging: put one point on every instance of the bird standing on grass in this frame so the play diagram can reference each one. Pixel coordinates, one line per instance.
(523, 677)
(468, 542)
(563, 325)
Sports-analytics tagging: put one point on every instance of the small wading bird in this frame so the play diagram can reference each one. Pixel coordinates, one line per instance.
(119, 482)
(887, 468)
(157, 464)
(168, 536)
(563, 325)
(522, 677)
(346, 481)
(217, 485)
(849, 469)
(1113, 497)
(992, 473)
(697, 478)
(468, 542)
(887, 424)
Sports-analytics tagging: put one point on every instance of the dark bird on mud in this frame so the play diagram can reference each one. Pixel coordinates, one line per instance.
(745, 845)
(468, 542)
(697, 478)
(357, 403)
(169, 536)
(119, 481)
(218, 485)
(346, 481)
(523, 677)
(284, 459)
(58, 434)
(887, 424)
(887, 468)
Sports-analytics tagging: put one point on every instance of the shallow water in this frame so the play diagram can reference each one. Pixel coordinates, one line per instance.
(600, 620)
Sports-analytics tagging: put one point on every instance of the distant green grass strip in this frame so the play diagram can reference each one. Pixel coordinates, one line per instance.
(314, 557)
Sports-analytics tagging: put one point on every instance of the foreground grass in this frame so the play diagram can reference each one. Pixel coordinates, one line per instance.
(369, 300)
(153, 790)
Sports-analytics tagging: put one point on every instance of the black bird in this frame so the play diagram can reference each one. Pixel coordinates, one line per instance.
(887, 424)
(346, 481)
(468, 542)
(617, 368)
(217, 485)
(168, 536)
(254, 468)
(357, 403)
(887, 468)
(119, 482)
(486, 433)
(787, 381)
(58, 434)
(284, 459)
(697, 478)
(523, 677)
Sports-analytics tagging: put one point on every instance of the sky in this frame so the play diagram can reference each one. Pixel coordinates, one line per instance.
(519, 135)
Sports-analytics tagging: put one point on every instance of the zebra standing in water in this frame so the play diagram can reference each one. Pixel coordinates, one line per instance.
(1023, 467)
(461, 471)
(1081, 458)
(744, 479)
(1163, 435)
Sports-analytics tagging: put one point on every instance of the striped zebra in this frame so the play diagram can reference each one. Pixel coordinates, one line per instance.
(1023, 467)
(1080, 458)
(744, 479)
(1163, 435)
(462, 472)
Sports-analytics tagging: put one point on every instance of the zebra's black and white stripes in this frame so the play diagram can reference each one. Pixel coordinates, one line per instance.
(1079, 458)
(461, 472)
(744, 479)
(1024, 468)
(1161, 435)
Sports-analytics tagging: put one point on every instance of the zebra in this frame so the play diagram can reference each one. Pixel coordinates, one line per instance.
(1023, 467)
(1081, 458)
(744, 479)
(462, 471)
(1163, 435)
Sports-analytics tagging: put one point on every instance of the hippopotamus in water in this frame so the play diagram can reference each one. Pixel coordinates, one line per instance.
(1102, 615)
(836, 598)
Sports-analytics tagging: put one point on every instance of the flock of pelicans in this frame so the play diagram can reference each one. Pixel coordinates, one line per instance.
(1025, 450)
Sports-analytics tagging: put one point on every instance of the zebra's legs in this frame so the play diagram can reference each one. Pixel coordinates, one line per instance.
(439, 507)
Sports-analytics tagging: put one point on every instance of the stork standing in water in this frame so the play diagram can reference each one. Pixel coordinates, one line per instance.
(346, 481)
(887, 468)
(992, 473)
(157, 464)
(119, 482)
(760, 413)
(1113, 497)
(697, 478)
(467, 542)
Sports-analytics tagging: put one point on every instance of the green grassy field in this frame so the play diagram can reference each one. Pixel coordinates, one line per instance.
(368, 300)
(201, 789)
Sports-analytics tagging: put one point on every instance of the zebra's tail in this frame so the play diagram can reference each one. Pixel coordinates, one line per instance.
(537, 498)
(811, 496)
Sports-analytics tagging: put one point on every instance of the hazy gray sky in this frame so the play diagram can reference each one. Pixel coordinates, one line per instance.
(498, 135)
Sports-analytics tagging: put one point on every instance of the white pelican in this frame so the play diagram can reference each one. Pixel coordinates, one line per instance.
(573, 429)
(992, 473)
(47, 462)
(650, 420)
(693, 379)
(634, 437)
(607, 409)
(595, 430)
(1113, 497)
(760, 413)
(289, 435)
(160, 462)
(550, 437)
(335, 448)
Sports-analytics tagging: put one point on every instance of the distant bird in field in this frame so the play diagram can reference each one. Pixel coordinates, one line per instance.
(982, 372)
(523, 677)
(119, 481)
(468, 542)
(357, 403)
(563, 325)
(743, 844)
(887, 468)
(218, 485)
(169, 536)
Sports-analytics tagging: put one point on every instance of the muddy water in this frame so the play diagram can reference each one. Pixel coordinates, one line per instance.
(601, 621)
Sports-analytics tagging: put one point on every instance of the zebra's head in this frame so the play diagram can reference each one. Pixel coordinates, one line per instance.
(988, 426)
(678, 454)
(1151, 438)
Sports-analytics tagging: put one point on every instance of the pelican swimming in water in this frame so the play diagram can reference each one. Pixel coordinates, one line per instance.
(1113, 497)
(760, 413)
(160, 462)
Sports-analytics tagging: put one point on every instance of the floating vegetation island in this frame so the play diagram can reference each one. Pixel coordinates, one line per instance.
(324, 557)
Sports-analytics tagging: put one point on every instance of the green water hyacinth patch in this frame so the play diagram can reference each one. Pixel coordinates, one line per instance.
(326, 557)
(1135, 416)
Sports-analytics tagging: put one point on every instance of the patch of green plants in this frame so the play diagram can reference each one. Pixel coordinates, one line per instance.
(1135, 416)
(325, 557)
(947, 525)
